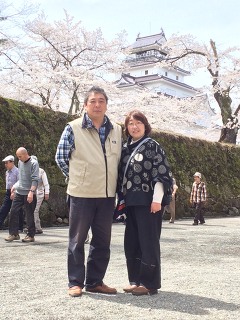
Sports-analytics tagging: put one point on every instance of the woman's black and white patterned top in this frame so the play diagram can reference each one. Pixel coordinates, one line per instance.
(148, 166)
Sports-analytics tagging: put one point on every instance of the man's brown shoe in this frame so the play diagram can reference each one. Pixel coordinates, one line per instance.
(28, 239)
(75, 291)
(142, 291)
(102, 289)
(130, 288)
(12, 237)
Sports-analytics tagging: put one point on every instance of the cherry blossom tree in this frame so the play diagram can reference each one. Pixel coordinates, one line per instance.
(223, 66)
(191, 117)
(57, 63)
(61, 61)
(11, 16)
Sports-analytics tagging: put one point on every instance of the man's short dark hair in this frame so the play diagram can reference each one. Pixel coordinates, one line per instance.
(95, 89)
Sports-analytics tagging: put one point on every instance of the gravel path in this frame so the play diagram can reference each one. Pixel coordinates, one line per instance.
(200, 277)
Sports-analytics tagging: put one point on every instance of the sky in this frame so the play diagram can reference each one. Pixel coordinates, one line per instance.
(204, 19)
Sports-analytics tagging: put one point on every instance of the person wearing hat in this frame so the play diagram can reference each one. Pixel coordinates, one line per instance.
(198, 197)
(11, 179)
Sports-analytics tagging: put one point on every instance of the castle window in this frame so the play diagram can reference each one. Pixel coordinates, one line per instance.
(176, 77)
(146, 72)
(165, 73)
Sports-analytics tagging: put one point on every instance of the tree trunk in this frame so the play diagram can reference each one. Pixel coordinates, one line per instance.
(229, 135)
(230, 131)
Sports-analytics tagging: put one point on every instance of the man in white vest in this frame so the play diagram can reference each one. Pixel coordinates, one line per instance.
(88, 154)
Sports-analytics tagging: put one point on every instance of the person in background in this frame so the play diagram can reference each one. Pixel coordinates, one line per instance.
(11, 179)
(23, 193)
(41, 193)
(171, 208)
(43, 190)
(88, 154)
(144, 176)
(198, 198)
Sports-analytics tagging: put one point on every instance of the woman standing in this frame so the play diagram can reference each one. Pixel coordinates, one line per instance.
(144, 176)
